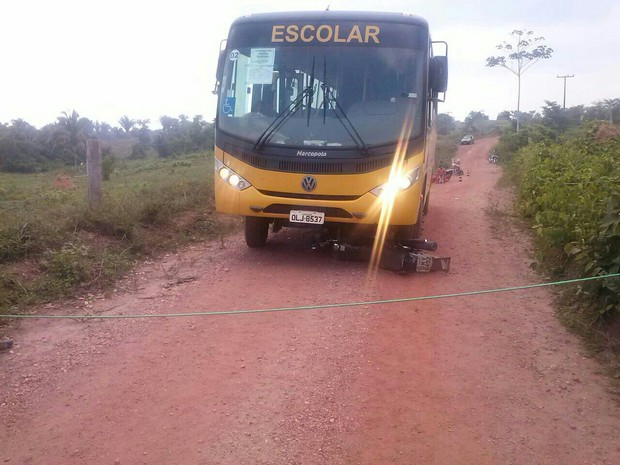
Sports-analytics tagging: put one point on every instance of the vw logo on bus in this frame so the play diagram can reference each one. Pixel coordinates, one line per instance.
(308, 183)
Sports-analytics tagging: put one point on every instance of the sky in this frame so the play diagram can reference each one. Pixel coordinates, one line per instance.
(145, 59)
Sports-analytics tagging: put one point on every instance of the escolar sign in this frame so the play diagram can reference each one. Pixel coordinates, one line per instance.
(325, 33)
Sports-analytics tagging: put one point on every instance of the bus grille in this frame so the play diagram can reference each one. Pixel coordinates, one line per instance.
(340, 166)
(371, 165)
(254, 160)
(289, 195)
(294, 166)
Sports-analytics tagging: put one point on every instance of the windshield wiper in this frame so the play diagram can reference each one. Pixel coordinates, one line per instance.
(343, 118)
(327, 95)
(325, 99)
(276, 124)
(311, 94)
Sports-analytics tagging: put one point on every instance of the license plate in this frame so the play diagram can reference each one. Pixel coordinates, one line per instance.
(307, 217)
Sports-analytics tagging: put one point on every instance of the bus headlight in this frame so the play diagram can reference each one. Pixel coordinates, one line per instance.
(230, 177)
(397, 184)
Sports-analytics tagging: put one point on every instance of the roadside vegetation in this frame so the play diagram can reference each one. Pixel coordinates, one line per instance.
(52, 245)
(566, 169)
(157, 195)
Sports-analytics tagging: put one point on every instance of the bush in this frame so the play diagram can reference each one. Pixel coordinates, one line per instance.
(445, 150)
(15, 242)
(570, 191)
(70, 265)
(108, 165)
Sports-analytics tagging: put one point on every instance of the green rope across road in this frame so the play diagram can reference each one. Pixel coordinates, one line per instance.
(316, 307)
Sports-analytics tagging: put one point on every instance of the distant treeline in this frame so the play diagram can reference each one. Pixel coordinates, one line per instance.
(26, 149)
(551, 115)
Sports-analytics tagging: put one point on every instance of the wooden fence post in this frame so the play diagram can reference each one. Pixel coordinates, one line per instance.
(95, 175)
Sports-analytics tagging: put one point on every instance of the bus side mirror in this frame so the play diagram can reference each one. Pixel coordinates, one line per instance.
(439, 74)
(220, 67)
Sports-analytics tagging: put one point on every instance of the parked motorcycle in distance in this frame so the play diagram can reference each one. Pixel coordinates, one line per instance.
(442, 175)
(456, 168)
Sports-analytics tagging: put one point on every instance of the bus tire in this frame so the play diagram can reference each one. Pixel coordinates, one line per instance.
(412, 231)
(256, 230)
(416, 230)
(408, 232)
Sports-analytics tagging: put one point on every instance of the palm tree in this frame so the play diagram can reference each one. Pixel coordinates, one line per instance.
(168, 123)
(611, 103)
(75, 129)
(126, 123)
(143, 123)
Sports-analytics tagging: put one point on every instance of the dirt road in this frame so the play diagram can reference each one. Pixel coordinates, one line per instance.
(483, 379)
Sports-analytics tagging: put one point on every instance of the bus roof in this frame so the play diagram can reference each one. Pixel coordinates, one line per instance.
(332, 16)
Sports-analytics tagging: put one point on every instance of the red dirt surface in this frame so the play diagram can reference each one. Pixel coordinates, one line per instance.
(482, 379)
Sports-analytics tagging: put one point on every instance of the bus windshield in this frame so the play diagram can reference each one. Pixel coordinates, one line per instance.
(323, 95)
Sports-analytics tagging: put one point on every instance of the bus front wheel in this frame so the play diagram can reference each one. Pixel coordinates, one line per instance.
(256, 230)
(412, 231)
(405, 233)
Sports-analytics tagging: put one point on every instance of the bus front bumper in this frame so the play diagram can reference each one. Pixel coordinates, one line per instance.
(401, 209)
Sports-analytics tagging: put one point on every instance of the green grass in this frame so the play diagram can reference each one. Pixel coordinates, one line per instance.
(52, 245)
(445, 150)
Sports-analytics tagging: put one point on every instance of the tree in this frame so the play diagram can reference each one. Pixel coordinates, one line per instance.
(472, 119)
(504, 116)
(140, 148)
(520, 56)
(19, 150)
(554, 116)
(611, 104)
(168, 123)
(575, 115)
(126, 123)
(143, 123)
(76, 130)
(144, 133)
(102, 130)
(445, 123)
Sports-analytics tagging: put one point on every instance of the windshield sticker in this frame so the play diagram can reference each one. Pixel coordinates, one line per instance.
(233, 55)
(260, 67)
(229, 106)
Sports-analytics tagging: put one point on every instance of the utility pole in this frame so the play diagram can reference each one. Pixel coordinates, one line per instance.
(93, 166)
(564, 77)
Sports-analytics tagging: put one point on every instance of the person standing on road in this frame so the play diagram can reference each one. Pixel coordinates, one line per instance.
(441, 175)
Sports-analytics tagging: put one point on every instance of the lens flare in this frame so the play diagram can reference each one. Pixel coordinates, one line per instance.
(386, 200)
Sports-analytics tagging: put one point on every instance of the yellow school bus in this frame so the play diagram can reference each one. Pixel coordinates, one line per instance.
(326, 120)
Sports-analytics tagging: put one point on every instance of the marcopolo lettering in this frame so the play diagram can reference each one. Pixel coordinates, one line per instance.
(325, 33)
(303, 153)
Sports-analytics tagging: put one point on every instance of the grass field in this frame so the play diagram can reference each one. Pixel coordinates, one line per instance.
(51, 245)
